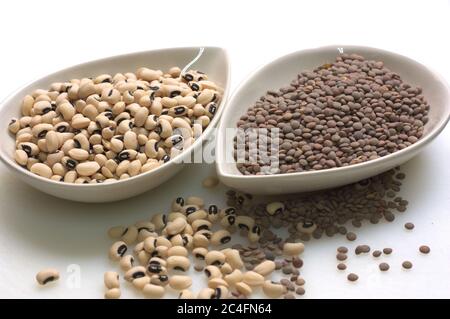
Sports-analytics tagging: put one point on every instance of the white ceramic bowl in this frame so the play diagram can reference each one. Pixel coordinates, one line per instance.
(214, 62)
(280, 73)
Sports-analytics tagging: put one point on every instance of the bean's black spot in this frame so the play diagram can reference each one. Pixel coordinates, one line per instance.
(71, 164)
(243, 226)
(191, 209)
(77, 143)
(179, 268)
(106, 80)
(308, 224)
(124, 155)
(48, 279)
(207, 235)
(231, 220)
(202, 227)
(110, 92)
(180, 201)
(122, 250)
(120, 120)
(140, 88)
(200, 78)
(256, 230)
(225, 239)
(61, 129)
(188, 77)
(230, 211)
(185, 240)
(214, 97)
(212, 108)
(174, 93)
(217, 293)
(164, 219)
(216, 263)
(207, 273)
(46, 110)
(240, 200)
(42, 133)
(200, 256)
(163, 278)
(165, 158)
(154, 88)
(138, 274)
(195, 87)
(144, 228)
(213, 210)
(180, 110)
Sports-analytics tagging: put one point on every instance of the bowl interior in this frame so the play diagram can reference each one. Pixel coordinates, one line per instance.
(282, 71)
(213, 61)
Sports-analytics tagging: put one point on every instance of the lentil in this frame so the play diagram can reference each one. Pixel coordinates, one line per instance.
(384, 266)
(352, 277)
(407, 265)
(424, 249)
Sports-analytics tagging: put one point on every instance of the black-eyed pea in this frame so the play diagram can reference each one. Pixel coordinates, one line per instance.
(126, 262)
(114, 293)
(134, 273)
(177, 240)
(111, 280)
(156, 268)
(199, 214)
(200, 240)
(186, 294)
(41, 107)
(199, 253)
(189, 209)
(253, 279)
(234, 277)
(14, 126)
(206, 293)
(156, 108)
(293, 249)
(178, 204)
(117, 250)
(243, 288)
(103, 78)
(188, 241)
(180, 282)
(245, 222)
(122, 167)
(124, 126)
(148, 74)
(151, 148)
(67, 110)
(220, 237)
(160, 251)
(213, 213)
(110, 95)
(128, 154)
(217, 282)
(116, 232)
(226, 268)
(159, 220)
(24, 137)
(130, 234)
(45, 276)
(273, 289)
(194, 200)
(182, 125)
(206, 96)
(176, 226)
(41, 130)
(139, 283)
(228, 221)
(162, 241)
(21, 157)
(78, 154)
(86, 89)
(175, 140)
(228, 211)
(188, 230)
(177, 251)
(275, 208)
(212, 272)
(153, 291)
(265, 268)
(233, 257)
(254, 234)
(31, 161)
(215, 258)
(41, 170)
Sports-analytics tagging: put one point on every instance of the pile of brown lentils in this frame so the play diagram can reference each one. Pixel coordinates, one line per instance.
(327, 212)
(112, 127)
(342, 113)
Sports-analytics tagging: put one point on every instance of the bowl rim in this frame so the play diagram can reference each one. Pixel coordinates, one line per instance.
(220, 154)
(8, 160)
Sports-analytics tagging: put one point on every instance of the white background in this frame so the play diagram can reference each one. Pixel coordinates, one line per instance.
(39, 37)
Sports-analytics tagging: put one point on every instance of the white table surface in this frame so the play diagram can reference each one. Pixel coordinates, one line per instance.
(38, 231)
